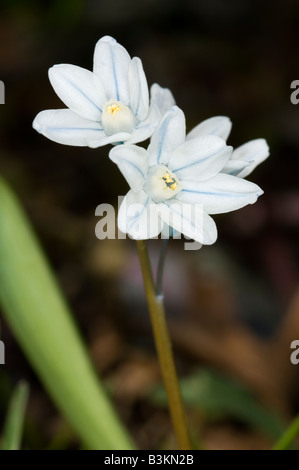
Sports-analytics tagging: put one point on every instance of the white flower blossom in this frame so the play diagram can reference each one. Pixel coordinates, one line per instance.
(245, 158)
(178, 182)
(109, 105)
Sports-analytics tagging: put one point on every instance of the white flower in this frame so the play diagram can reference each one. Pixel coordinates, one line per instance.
(108, 105)
(178, 182)
(162, 97)
(245, 158)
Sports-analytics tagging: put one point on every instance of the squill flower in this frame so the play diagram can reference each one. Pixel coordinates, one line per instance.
(109, 105)
(245, 158)
(178, 182)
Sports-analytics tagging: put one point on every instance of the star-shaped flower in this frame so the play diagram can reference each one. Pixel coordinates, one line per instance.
(178, 182)
(109, 105)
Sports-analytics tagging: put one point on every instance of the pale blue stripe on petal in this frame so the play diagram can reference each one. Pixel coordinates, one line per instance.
(163, 131)
(82, 93)
(59, 129)
(180, 214)
(137, 216)
(198, 161)
(234, 195)
(114, 72)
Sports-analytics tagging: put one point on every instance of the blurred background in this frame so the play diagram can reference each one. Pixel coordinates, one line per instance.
(233, 308)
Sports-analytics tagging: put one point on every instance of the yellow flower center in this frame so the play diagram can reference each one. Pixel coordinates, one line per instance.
(161, 183)
(113, 108)
(117, 117)
(170, 181)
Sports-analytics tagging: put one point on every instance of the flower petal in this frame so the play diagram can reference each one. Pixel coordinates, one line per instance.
(253, 152)
(234, 167)
(223, 193)
(132, 162)
(189, 219)
(138, 216)
(200, 158)
(139, 96)
(170, 232)
(168, 136)
(111, 65)
(116, 139)
(79, 89)
(162, 97)
(219, 125)
(65, 127)
(145, 129)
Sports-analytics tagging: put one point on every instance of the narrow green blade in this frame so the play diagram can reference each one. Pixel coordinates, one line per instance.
(287, 439)
(41, 322)
(13, 427)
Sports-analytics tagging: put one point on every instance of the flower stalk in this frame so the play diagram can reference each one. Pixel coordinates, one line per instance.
(164, 350)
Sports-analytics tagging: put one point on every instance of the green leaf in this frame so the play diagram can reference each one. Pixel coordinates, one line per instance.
(218, 396)
(40, 320)
(287, 439)
(13, 427)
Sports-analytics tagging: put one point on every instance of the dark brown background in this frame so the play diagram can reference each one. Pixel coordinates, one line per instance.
(232, 307)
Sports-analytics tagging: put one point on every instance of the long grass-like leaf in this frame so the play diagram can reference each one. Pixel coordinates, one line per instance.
(41, 322)
(13, 427)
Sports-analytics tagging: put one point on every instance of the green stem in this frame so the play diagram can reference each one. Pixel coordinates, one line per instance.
(285, 441)
(163, 345)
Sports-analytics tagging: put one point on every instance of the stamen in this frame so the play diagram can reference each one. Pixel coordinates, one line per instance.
(170, 181)
(161, 184)
(117, 117)
(113, 108)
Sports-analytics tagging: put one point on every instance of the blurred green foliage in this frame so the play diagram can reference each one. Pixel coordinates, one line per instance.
(13, 428)
(219, 397)
(39, 318)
